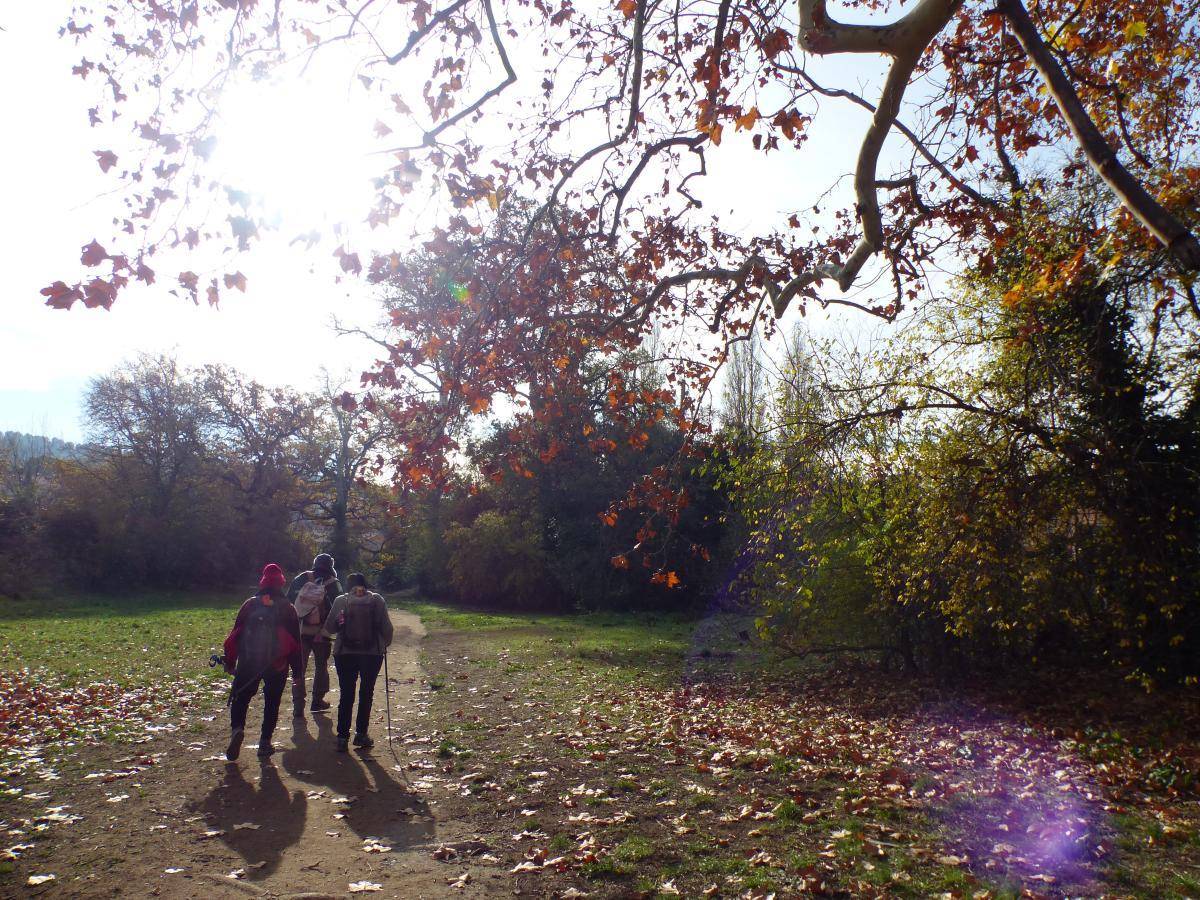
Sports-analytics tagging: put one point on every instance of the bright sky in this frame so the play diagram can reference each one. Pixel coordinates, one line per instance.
(50, 190)
(279, 332)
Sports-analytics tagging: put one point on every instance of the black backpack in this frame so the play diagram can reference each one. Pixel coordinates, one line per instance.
(258, 643)
(360, 629)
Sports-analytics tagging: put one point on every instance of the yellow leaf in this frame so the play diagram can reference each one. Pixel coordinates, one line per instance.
(746, 120)
(1135, 30)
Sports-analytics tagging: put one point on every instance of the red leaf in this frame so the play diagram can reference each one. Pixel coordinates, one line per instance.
(93, 254)
(350, 262)
(61, 295)
(99, 292)
(236, 280)
(776, 42)
(191, 281)
(106, 158)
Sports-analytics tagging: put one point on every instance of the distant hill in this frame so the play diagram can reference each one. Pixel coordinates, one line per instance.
(27, 446)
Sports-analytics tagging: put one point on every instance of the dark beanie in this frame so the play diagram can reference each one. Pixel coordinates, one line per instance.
(323, 565)
(272, 578)
(356, 579)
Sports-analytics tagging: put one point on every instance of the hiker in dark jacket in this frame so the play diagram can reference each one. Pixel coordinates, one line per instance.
(312, 642)
(263, 645)
(362, 627)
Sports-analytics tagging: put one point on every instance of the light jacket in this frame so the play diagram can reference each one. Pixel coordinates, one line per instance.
(383, 634)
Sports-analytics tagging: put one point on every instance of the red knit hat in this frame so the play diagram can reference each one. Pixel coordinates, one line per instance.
(272, 578)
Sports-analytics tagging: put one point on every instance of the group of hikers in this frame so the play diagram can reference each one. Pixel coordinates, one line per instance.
(277, 630)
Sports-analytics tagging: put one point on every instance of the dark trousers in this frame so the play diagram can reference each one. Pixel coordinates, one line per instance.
(362, 668)
(320, 687)
(272, 690)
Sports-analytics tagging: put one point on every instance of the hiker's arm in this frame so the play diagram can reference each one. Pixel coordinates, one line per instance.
(294, 589)
(386, 626)
(329, 629)
(291, 621)
(333, 590)
(231, 640)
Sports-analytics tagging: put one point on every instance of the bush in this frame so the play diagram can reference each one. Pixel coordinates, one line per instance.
(498, 560)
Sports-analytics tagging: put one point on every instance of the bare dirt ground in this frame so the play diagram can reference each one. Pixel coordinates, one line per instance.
(307, 822)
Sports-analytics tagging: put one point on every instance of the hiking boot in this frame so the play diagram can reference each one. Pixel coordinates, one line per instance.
(342, 745)
(363, 741)
(235, 744)
(319, 705)
(265, 749)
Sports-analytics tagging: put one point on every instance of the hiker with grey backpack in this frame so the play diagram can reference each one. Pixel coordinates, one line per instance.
(361, 629)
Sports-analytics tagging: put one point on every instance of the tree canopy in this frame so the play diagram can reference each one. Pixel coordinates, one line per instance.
(607, 118)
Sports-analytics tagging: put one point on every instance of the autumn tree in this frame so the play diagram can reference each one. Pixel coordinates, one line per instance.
(343, 443)
(609, 121)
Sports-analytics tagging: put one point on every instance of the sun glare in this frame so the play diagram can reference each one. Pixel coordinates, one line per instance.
(300, 151)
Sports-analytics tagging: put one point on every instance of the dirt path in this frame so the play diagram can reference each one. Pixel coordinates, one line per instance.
(307, 822)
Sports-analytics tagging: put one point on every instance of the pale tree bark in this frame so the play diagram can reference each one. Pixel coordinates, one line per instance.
(905, 41)
(1167, 229)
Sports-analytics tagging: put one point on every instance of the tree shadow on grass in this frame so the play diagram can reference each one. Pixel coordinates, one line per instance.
(279, 814)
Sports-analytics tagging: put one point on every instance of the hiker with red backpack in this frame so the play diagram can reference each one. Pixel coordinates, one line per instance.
(312, 594)
(263, 644)
(362, 631)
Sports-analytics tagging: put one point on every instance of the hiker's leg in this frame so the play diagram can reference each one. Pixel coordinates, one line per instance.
(368, 672)
(306, 647)
(273, 683)
(241, 702)
(347, 673)
(320, 686)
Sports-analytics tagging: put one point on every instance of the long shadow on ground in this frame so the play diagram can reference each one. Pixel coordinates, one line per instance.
(279, 814)
(341, 791)
(381, 806)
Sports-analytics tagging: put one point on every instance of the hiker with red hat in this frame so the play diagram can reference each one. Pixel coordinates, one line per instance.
(263, 645)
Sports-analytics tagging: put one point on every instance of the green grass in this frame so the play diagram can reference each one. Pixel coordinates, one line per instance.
(634, 849)
(626, 644)
(131, 640)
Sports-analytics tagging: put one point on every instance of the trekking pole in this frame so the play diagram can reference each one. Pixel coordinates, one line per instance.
(387, 700)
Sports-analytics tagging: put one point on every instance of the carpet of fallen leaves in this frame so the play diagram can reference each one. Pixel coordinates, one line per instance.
(37, 712)
(595, 774)
(665, 758)
(48, 728)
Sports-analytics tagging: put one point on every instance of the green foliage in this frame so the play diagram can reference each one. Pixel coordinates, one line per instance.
(1011, 481)
(497, 559)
